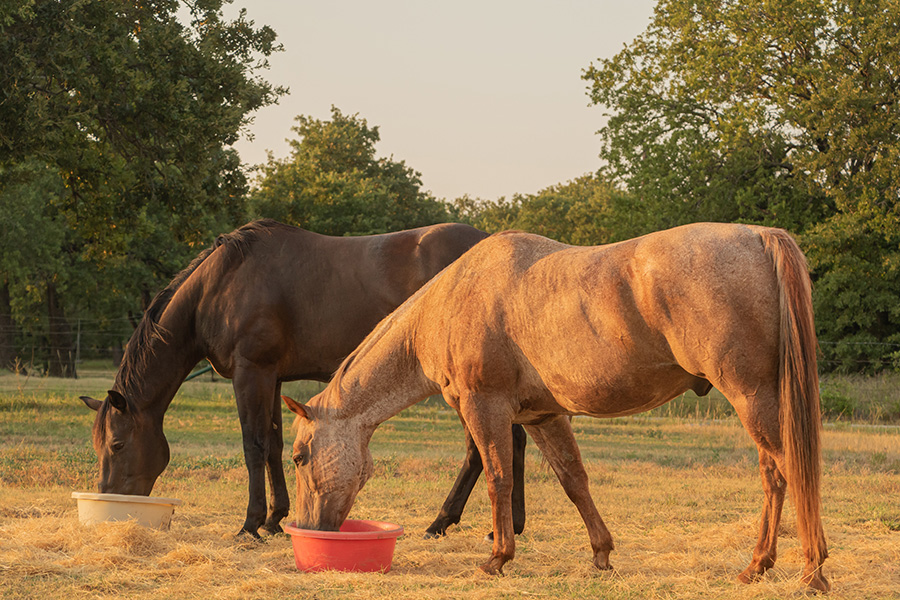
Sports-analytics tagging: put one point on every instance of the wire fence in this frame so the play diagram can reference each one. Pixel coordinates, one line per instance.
(863, 360)
(32, 345)
(105, 338)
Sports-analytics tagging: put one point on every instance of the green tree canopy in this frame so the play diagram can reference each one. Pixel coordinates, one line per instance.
(136, 109)
(332, 183)
(783, 114)
(586, 211)
(123, 115)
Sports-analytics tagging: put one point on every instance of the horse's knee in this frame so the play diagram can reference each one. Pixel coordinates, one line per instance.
(499, 489)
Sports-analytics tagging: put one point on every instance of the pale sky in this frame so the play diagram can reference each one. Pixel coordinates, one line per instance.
(481, 97)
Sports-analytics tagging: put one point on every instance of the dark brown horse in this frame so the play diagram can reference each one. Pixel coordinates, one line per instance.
(268, 303)
(523, 329)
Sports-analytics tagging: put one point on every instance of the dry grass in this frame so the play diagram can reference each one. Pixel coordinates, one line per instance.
(681, 497)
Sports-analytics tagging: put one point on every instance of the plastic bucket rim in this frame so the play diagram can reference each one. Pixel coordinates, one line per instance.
(101, 497)
(382, 530)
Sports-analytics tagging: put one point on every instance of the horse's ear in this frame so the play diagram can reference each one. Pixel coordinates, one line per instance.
(297, 408)
(91, 403)
(117, 400)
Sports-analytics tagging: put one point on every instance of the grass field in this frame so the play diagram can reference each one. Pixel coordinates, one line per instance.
(678, 488)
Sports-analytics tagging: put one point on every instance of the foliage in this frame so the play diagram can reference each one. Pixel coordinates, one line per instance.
(33, 260)
(781, 114)
(132, 114)
(585, 211)
(332, 183)
(857, 293)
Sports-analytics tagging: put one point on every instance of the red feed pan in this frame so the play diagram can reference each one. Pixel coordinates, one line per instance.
(360, 545)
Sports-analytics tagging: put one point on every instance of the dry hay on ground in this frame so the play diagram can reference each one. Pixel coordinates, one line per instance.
(679, 534)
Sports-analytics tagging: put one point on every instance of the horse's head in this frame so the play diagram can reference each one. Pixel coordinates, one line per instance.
(130, 445)
(333, 463)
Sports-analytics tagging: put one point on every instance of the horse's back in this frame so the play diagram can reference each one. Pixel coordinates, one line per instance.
(305, 300)
(406, 260)
(617, 328)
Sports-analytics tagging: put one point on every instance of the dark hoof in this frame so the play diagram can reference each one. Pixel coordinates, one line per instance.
(245, 536)
(433, 535)
(270, 530)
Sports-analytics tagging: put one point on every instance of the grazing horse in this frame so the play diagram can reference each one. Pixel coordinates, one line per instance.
(267, 303)
(523, 329)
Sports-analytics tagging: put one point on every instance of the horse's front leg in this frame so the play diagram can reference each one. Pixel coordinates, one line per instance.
(555, 439)
(490, 423)
(451, 511)
(453, 506)
(254, 389)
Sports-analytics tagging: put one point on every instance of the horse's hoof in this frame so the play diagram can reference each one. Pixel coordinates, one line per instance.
(489, 569)
(601, 561)
(817, 582)
(270, 530)
(749, 576)
(489, 538)
(433, 535)
(247, 536)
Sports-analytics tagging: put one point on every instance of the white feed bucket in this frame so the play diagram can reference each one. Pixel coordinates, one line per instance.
(146, 510)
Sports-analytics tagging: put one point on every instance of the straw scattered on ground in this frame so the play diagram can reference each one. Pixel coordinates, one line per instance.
(681, 497)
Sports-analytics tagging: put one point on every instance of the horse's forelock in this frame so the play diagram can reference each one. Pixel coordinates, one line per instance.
(99, 431)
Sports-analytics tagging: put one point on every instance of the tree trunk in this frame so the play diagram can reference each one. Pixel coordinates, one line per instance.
(9, 333)
(62, 347)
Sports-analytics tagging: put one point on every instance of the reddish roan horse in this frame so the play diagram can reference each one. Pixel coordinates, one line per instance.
(523, 329)
(268, 303)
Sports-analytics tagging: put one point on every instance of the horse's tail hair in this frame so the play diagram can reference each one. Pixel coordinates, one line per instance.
(800, 415)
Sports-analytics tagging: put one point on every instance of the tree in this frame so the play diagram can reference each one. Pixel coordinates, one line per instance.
(585, 211)
(776, 113)
(332, 183)
(136, 113)
(32, 253)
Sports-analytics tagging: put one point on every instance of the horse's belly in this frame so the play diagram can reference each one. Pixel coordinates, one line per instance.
(625, 394)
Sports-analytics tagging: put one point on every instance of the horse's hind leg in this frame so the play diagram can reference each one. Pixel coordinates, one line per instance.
(520, 439)
(774, 487)
(759, 413)
(279, 500)
(451, 511)
(556, 440)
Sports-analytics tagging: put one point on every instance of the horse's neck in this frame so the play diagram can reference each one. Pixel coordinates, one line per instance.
(158, 371)
(383, 378)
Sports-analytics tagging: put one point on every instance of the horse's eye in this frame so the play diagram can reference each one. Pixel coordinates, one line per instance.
(116, 446)
(301, 458)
